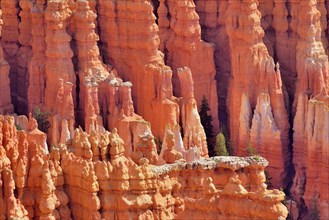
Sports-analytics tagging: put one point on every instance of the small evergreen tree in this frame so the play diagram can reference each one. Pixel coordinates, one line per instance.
(226, 134)
(158, 143)
(42, 119)
(18, 127)
(268, 181)
(220, 147)
(206, 120)
(251, 150)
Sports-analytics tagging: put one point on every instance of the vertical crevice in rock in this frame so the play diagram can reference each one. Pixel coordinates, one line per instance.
(181, 36)
(155, 5)
(282, 45)
(258, 79)
(321, 6)
(10, 45)
(327, 32)
(24, 55)
(6, 106)
(212, 15)
(36, 68)
(265, 7)
(311, 118)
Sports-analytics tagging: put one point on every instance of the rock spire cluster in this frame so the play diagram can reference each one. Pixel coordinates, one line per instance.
(121, 84)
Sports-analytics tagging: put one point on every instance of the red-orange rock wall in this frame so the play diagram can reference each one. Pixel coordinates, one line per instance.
(270, 72)
(71, 183)
(286, 29)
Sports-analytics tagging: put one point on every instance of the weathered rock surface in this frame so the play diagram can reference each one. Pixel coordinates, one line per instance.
(36, 67)
(114, 186)
(311, 140)
(180, 35)
(256, 107)
(116, 66)
(5, 98)
(9, 38)
(293, 33)
(58, 64)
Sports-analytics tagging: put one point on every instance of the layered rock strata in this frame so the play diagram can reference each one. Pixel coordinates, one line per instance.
(5, 98)
(126, 40)
(91, 68)
(63, 120)
(311, 118)
(149, 69)
(104, 98)
(24, 54)
(36, 68)
(256, 107)
(53, 23)
(294, 34)
(212, 18)
(219, 183)
(58, 64)
(299, 32)
(9, 40)
(114, 186)
(194, 134)
(180, 36)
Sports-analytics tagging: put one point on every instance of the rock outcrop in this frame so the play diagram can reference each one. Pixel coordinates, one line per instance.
(139, 68)
(9, 38)
(286, 40)
(114, 186)
(311, 156)
(311, 139)
(5, 98)
(36, 68)
(58, 64)
(149, 69)
(180, 35)
(211, 188)
(24, 55)
(257, 115)
(212, 14)
(194, 135)
(295, 34)
(125, 40)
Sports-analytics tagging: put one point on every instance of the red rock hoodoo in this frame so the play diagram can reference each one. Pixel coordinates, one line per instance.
(121, 84)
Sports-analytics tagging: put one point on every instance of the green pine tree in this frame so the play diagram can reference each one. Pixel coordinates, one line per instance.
(206, 121)
(220, 147)
(42, 119)
(251, 150)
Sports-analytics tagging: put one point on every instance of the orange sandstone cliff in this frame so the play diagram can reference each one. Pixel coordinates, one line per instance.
(123, 83)
(70, 182)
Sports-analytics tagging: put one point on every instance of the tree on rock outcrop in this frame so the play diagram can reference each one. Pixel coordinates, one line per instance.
(220, 147)
(42, 119)
(206, 120)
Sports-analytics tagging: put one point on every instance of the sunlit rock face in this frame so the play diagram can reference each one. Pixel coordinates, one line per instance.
(82, 180)
(122, 82)
(256, 107)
